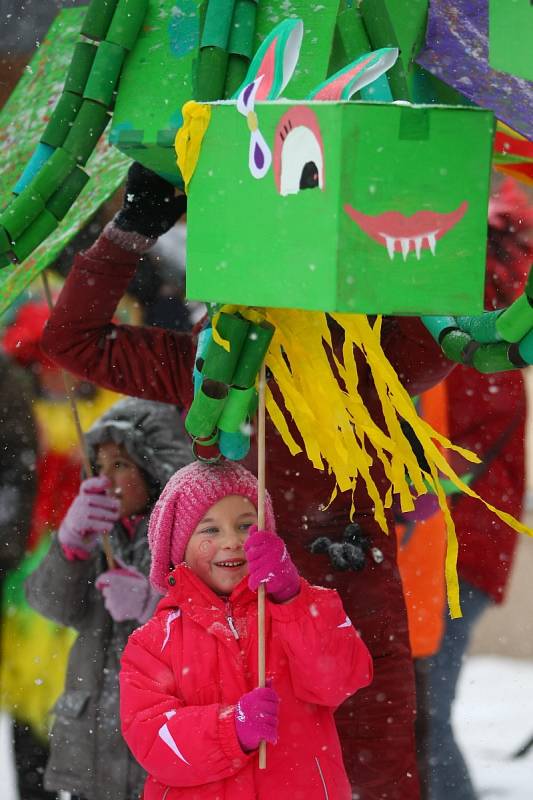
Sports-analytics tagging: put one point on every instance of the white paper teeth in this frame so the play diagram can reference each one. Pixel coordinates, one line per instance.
(390, 242)
(408, 244)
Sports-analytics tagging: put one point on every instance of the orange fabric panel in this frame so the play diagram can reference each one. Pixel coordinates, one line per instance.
(421, 557)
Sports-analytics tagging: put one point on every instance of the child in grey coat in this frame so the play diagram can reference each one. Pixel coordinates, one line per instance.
(134, 448)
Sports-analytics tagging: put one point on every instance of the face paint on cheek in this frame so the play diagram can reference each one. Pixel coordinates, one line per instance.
(205, 547)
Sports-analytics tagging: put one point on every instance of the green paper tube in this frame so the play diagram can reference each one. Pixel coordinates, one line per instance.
(89, 126)
(484, 328)
(211, 74)
(525, 348)
(53, 173)
(105, 73)
(492, 358)
(4, 261)
(529, 284)
(207, 441)
(219, 365)
(206, 409)
(21, 212)
(454, 344)
(381, 33)
(98, 18)
(61, 201)
(40, 156)
(5, 243)
(234, 446)
(127, 22)
(438, 325)
(351, 40)
(217, 24)
(32, 237)
(235, 74)
(62, 119)
(242, 33)
(236, 409)
(516, 321)
(80, 67)
(253, 354)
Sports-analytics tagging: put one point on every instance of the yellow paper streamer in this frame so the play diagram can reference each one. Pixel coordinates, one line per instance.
(346, 441)
(196, 119)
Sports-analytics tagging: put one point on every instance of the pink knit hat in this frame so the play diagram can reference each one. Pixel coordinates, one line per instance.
(184, 501)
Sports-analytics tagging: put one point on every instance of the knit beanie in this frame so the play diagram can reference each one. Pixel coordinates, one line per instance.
(186, 498)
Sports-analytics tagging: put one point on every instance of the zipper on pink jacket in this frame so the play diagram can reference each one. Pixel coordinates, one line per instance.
(229, 617)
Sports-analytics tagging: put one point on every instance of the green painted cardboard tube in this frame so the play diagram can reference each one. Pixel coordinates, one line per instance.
(5, 244)
(483, 328)
(492, 358)
(235, 74)
(206, 409)
(80, 67)
(516, 321)
(61, 201)
(88, 127)
(454, 345)
(219, 365)
(529, 283)
(525, 348)
(21, 212)
(127, 22)
(381, 33)
(211, 74)
(62, 118)
(105, 73)
(98, 18)
(234, 446)
(242, 33)
(236, 409)
(32, 237)
(438, 325)
(53, 173)
(217, 24)
(253, 354)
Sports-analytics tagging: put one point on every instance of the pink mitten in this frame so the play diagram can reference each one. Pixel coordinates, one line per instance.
(127, 594)
(269, 562)
(256, 718)
(91, 513)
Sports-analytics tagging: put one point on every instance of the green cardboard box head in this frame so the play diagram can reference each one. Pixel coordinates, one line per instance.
(327, 204)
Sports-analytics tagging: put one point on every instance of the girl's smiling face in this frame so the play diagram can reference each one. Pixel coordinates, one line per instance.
(215, 551)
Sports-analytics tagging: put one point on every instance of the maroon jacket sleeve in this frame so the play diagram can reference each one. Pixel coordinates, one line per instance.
(151, 363)
(412, 351)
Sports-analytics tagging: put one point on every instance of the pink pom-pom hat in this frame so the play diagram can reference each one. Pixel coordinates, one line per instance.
(186, 498)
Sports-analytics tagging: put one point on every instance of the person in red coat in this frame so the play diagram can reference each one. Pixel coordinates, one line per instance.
(376, 726)
(486, 414)
(189, 710)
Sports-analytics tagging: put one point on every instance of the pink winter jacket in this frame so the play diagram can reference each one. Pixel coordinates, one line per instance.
(184, 671)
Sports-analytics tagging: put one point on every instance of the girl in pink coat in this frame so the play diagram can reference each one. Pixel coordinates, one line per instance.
(190, 712)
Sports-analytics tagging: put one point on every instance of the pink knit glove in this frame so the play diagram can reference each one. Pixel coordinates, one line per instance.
(269, 562)
(256, 718)
(127, 594)
(91, 513)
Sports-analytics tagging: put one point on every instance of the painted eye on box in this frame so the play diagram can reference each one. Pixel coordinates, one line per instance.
(298, 152)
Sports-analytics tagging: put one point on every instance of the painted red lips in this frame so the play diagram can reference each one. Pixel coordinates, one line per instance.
(401, 234)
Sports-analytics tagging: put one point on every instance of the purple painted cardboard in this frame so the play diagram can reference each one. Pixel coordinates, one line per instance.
(457, 52)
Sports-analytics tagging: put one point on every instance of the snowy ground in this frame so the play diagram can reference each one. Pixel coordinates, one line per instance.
(493, 718)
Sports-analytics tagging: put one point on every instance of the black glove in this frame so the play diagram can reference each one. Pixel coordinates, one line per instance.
(150, 205)
(350, 553)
